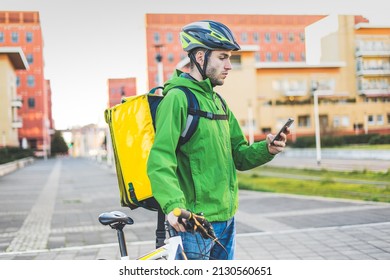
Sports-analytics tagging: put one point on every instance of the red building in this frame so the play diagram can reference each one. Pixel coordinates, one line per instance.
(23, 29)
(118, 88)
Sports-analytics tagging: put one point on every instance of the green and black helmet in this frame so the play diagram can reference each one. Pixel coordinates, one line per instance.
(207, 34)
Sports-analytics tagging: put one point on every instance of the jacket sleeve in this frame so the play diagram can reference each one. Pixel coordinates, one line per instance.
(246, 156)
(162, 161)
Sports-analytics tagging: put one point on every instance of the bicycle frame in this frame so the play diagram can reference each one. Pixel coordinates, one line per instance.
(172, 250)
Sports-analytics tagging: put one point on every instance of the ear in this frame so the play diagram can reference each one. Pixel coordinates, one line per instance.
(199, 56)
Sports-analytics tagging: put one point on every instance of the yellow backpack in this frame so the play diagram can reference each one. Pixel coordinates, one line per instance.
(132, 135)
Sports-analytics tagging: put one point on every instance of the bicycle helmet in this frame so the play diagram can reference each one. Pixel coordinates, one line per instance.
(207, 34)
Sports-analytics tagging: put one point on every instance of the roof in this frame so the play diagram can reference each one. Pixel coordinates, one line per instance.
(275, 65)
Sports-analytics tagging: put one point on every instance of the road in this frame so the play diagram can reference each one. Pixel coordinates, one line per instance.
(49, 211)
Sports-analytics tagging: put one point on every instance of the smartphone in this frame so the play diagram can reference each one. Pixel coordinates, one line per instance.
(283, 129)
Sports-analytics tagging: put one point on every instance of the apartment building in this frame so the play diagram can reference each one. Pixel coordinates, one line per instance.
(120, 87)
(12, 59)
(23, 29)
(279, 37)
(272, 81)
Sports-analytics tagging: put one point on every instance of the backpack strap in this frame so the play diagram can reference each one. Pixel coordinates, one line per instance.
(192, 119)
(194, 113)
(160, 230)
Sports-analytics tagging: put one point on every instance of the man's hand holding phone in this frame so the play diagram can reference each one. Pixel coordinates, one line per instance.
(276, 143)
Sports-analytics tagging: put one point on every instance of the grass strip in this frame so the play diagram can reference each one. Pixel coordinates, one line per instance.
(326, 187)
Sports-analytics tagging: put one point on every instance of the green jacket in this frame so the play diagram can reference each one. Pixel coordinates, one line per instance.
(201, 174)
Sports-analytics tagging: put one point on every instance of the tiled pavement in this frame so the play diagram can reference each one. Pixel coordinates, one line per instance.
(49, 210)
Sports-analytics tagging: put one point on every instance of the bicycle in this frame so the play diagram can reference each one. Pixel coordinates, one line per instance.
(173, 247)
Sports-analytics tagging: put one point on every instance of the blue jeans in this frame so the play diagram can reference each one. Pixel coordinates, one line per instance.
(198, 248)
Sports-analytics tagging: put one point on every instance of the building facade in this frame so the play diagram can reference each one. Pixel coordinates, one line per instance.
(12, 59)
(272, 81)
(118, 88)
(23, 29)
(278, 37)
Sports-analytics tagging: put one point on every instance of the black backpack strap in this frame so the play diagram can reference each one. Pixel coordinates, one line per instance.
(224, 107)
(160, 231)
(192, 119)
(207, 115)
(194, 113)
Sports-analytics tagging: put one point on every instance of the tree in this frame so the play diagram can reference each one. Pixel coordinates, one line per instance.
(58, 144)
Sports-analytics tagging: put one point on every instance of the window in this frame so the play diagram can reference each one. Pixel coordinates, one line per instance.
(291, 56)
(302, 36)
(379, 120)
(303, 56)
(280, 56)
(156, 37)
(370, 120)
(122, 91)
(268, 56)
(171, 57)
(31, 102)
(235, 60)
(341, 121)
(30, 58)
(29, 37)
(279, 37)
(257, 57)
(1, 37)
(256, 37)
(30, 81)
(17, 81)
(267, 37)
(244, 37)
(304, 121)
(15, 37)
(169, 37)
(291, 36)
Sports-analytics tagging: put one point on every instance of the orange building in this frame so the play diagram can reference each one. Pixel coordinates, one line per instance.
(118, 88)
(23, 29)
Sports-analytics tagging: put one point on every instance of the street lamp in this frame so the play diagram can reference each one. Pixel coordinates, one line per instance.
(250, 123)
(160, 72)
(317, 126)
(316, 93)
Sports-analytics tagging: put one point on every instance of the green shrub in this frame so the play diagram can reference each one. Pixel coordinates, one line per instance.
(9, 154)
(333, 141)
(379, 139)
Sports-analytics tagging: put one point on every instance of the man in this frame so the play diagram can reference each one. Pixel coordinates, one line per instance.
(200, 175)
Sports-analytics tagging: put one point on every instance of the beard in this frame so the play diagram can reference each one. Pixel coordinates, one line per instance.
(211, 73)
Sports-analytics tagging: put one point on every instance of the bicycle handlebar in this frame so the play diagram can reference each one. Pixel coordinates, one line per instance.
(197, 223)
(184, 214)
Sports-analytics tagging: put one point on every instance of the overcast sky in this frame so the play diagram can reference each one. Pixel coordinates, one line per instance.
(87, 42)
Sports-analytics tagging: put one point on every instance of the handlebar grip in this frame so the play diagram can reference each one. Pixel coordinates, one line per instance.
(181, 213)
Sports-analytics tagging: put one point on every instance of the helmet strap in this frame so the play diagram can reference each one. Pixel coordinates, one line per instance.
(206, 58)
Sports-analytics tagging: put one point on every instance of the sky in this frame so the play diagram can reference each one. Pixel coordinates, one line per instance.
(87, 42)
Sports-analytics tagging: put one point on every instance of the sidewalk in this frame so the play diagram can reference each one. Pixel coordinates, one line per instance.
(49, 211)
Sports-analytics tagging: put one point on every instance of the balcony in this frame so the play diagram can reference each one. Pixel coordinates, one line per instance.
(375, 92)
(374, 72)
(295, 92)
(17, 102)
(18, 123)
(372, 53)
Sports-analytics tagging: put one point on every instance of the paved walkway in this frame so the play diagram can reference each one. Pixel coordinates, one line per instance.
(49, 210)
